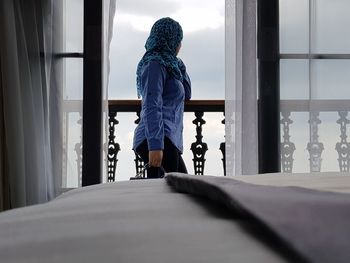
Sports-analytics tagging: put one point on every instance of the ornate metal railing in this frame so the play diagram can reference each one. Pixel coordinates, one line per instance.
(198, 148)
(315, 147)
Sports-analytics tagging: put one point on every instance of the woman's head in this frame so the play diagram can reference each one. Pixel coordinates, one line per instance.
(162, 45)
(165, 36)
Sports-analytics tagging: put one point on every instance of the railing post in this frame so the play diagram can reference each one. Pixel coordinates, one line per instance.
(113, 146)
(138, 161)
(78, 148)
(343, 147)
(287, 147)
(315, 147)
(199, 147)
(223, 150)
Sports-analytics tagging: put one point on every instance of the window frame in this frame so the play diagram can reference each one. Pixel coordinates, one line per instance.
(269, 57)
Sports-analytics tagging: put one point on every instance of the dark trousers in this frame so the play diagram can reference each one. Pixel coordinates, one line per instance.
(172, 160)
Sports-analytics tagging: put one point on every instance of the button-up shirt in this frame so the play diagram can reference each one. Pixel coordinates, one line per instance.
(162, 107)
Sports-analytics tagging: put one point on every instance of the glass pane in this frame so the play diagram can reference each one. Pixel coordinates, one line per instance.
(330, 79)
(74, 26)
(294, 26)
(331, 26)
(294, 79)
(73, 145)
(72, 125)
(73, 89)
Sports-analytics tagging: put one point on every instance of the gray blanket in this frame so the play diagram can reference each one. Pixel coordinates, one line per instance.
(315, 224)
(128, 222)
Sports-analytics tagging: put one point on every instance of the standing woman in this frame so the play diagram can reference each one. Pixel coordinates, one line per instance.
(164, 85)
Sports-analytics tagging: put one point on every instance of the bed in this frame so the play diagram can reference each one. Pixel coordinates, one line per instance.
(187, 218)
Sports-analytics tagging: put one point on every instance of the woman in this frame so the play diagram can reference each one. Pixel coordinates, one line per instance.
(163, 84)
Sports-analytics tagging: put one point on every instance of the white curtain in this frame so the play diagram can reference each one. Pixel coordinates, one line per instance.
(241, 87)
(31, 102)
(108, 18)
(35, 147)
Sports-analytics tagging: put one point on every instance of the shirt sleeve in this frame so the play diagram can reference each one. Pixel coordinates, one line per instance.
(153, 80)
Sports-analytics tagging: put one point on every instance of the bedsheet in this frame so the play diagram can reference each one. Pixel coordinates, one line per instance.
(137, 221)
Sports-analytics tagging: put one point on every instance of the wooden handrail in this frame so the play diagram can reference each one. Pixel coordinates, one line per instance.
(190, 106)
(219, 105)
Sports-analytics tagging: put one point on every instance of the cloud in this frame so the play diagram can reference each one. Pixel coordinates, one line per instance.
(154, 8)
(199, 18)
(192, 15)
(140, 23)
(217, 5)
(127, 47)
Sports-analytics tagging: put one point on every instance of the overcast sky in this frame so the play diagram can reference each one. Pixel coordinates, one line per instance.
(202, 46)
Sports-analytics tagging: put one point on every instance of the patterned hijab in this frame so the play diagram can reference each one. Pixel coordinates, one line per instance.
(166, 35)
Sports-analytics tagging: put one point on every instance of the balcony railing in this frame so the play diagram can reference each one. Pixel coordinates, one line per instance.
(315, 146)
(198, 147)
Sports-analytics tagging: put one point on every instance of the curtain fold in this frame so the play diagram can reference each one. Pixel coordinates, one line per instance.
(241, 126)
(4, 184)
(108, 18)
(31, 98)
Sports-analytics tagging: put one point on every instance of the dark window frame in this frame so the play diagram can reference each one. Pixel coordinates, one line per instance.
(268, 86)
(92, 91)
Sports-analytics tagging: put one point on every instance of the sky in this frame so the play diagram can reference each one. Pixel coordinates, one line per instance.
(203, 53)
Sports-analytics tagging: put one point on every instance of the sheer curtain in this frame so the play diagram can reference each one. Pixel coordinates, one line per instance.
(108, 18)
(241, 87)
(31, 101)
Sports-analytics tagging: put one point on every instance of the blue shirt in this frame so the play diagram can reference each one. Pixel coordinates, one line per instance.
(162, 106)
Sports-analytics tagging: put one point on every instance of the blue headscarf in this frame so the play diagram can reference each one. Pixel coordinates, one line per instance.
(166, 35)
